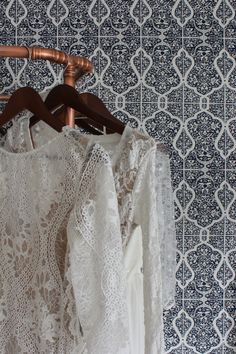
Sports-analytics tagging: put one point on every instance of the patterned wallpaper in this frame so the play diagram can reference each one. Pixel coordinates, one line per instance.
(168, 67)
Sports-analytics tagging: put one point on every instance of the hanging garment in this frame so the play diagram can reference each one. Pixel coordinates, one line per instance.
(60, 232)
(145, 198)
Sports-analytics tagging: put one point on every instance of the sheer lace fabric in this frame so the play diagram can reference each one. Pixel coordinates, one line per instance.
(99, 285)
(145, 198)
(143, 185)
(32, 243)
(41, 214)
(166, 227)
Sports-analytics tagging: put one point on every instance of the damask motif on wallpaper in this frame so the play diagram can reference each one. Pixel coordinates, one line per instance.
(167, 67)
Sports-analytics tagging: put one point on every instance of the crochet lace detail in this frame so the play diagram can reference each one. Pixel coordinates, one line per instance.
(143, 170)
(96, 250)
(37, 193)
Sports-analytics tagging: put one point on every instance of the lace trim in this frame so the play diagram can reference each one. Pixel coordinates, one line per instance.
(146, 215)
(96, 260)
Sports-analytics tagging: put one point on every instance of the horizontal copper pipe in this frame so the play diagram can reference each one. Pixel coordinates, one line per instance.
(14, 51)
(4, 97)
(53, 55)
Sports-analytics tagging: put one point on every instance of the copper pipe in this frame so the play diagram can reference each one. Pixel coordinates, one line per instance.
(70, 79)
(4, 97)
(14, 51)
(75, 66)
(53, 55)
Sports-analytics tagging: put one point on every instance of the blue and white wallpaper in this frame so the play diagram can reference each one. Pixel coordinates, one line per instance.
(168, 67)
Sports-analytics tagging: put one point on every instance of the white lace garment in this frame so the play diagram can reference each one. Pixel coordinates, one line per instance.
(60, 232)
(143, 184)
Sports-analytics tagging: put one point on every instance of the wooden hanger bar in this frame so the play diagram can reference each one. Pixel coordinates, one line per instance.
(75, 66)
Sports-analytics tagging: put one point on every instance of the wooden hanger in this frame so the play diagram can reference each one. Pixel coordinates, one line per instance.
(26, 98)
(60, 113)
(87, 104)
(97, 106)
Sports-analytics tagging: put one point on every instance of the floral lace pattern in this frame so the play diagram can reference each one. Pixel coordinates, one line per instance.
(143, 170)
(35, 263)
(126, 170)
(96, 249)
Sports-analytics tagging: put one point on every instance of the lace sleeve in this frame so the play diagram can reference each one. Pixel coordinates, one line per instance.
(96, 259)
(166, 223)
(145, 214)
(153, 210)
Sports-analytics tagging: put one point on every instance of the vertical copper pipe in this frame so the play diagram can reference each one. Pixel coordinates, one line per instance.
(69, 79)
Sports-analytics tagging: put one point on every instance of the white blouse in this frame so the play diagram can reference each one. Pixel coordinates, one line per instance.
(142, 178)
(60, 247)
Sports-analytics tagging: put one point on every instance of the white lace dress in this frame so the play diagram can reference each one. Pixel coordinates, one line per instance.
(145, 199)
(60, 232)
